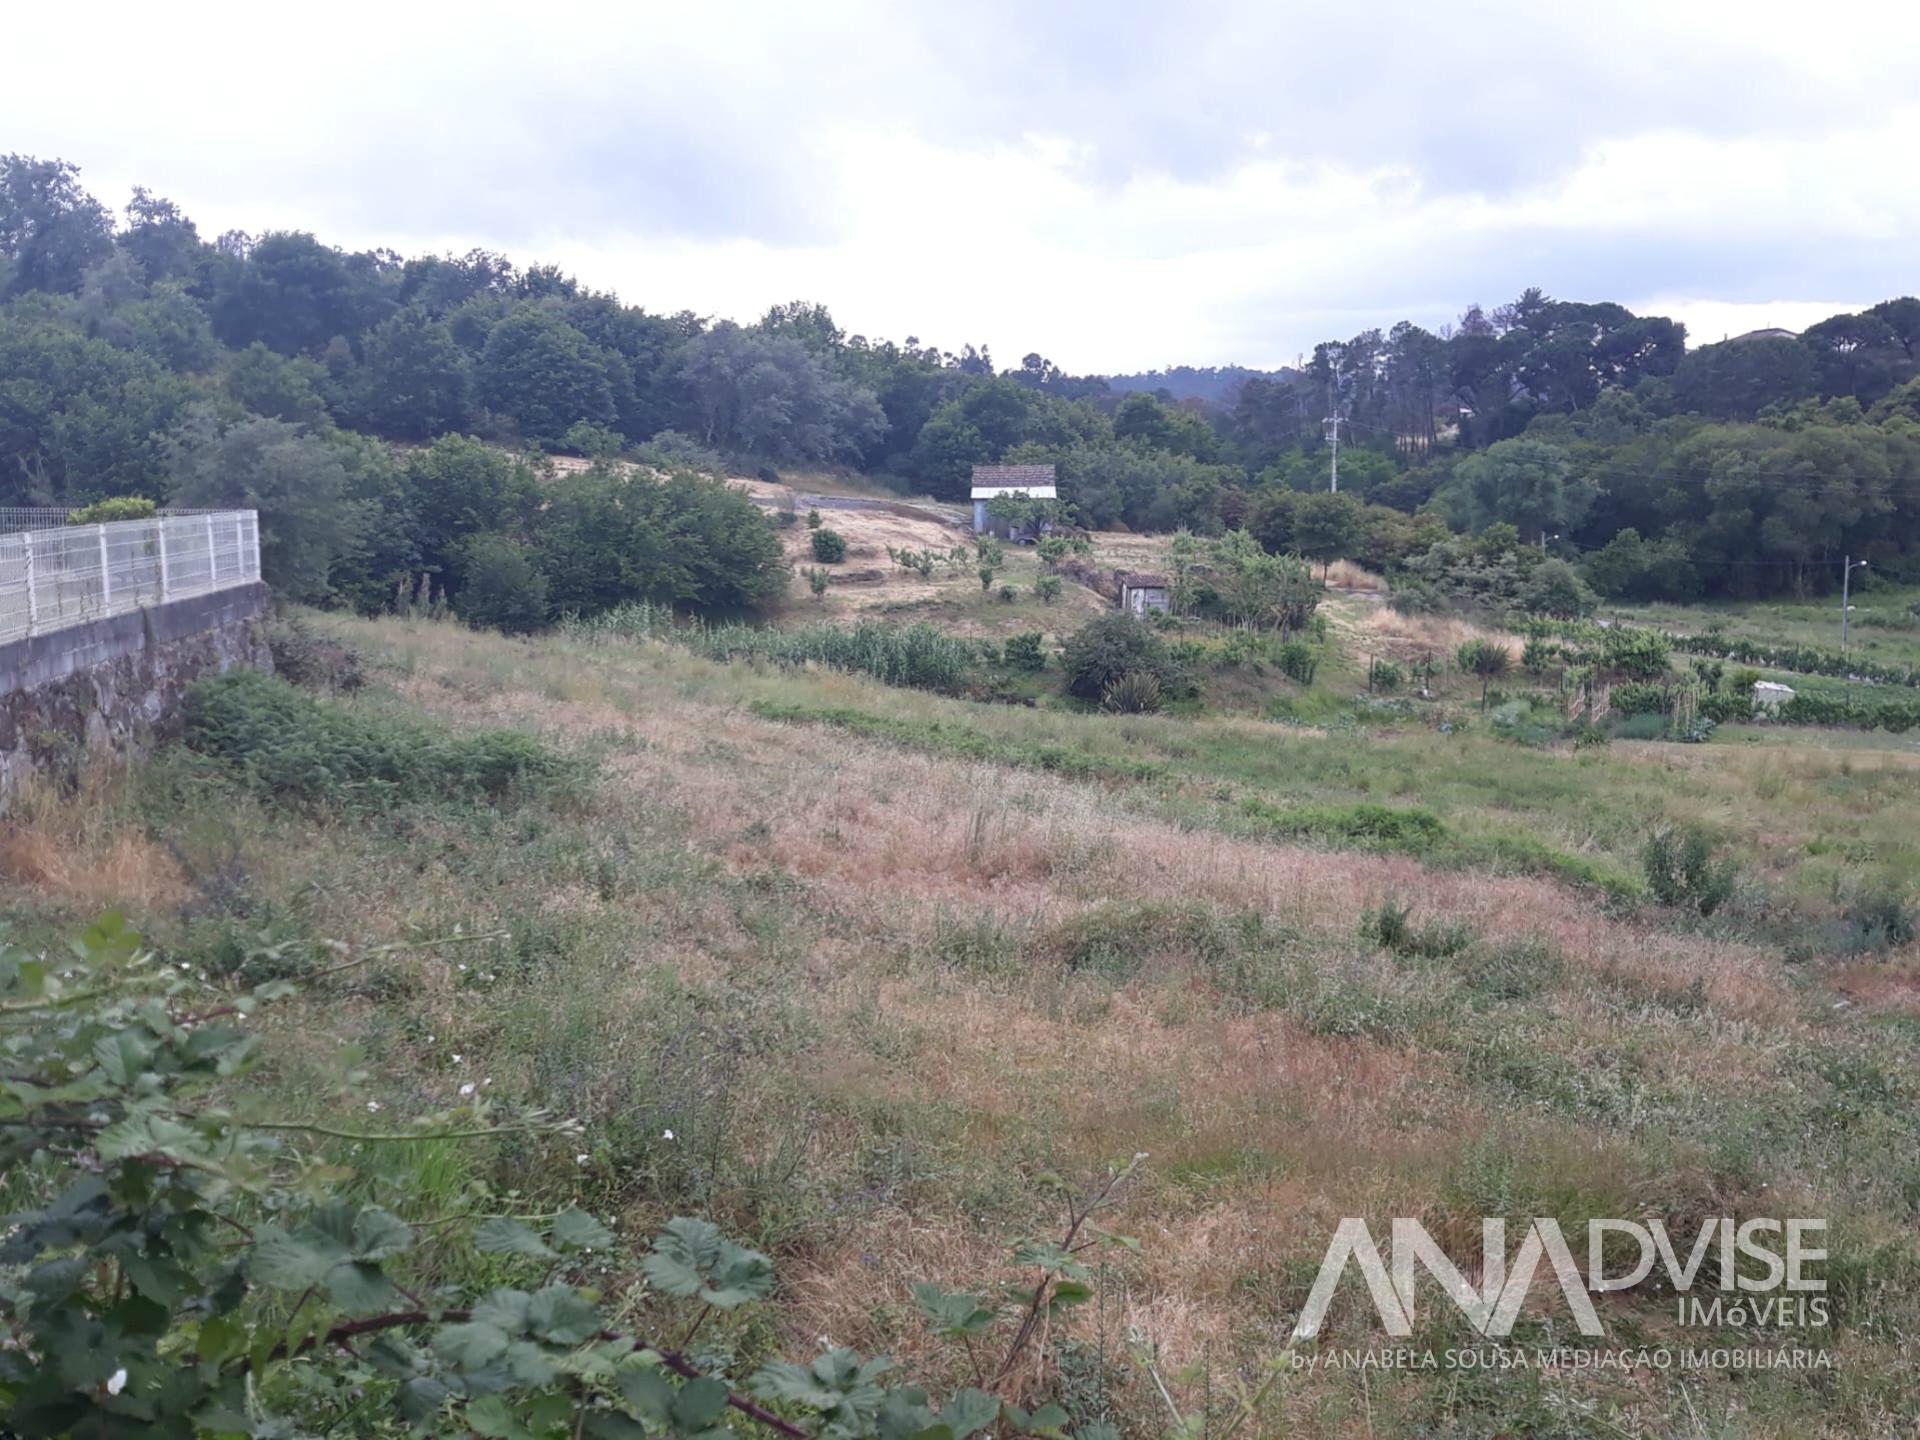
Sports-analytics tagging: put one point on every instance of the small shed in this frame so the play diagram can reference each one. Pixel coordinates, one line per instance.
(996, 482)
(1141, 592)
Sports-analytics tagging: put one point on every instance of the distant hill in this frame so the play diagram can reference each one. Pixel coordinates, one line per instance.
(1213, 384)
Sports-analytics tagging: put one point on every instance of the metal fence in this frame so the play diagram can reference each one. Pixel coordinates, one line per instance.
(54, 517)
(54, 577)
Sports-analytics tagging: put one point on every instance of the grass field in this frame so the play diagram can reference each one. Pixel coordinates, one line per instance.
(853, 969)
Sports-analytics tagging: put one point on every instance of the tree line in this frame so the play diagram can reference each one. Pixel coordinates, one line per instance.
(139, 357)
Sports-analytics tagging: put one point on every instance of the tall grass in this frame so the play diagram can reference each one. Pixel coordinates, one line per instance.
(916, 656)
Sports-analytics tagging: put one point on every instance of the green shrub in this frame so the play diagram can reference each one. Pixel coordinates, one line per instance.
(1135, 693)
(269, 735)
(1680, 870)
(814, 521)
(1638, 654)
(1390, 926)
(1642, 699)
(1023, 651)
(1879, 920)
(1297, 661)
(1047, 587)
(504, 589)
(817, 580)
(119, 507)
(1385, 676)
(829, 546)
(1104, 650)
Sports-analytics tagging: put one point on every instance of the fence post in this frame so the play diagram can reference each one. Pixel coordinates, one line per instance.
(106, 584)
(213, 556)
(160, 529)
(33, 599)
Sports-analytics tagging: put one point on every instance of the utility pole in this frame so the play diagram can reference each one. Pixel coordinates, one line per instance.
(1333, 423)
(1846, 592)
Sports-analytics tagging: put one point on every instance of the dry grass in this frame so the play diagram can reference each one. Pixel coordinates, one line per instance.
(1410, 637)
(1263, 1128)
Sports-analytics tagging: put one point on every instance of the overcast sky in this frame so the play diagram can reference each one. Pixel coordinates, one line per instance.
(1117, 186)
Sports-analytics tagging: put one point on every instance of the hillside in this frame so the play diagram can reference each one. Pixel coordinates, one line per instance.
(853, 969)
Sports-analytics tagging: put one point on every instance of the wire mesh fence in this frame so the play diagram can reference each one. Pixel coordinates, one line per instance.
(54, 577)
(55, 517)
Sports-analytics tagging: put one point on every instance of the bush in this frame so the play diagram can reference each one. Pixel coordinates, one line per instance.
(120, 507)
(1555, 589)
(270, 736)
(814, 522)
(1642, 699)
(1023, 651)
(1136, 693)
(1297, 661)
(1680, 870)
(504, 589)
(1639, 654)
(596, 442)
(1107, 649)
(829, 546)
(1047, 587)
(817, 580)
(1385, 676)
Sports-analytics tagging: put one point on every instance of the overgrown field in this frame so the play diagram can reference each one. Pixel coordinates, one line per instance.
(864, 973)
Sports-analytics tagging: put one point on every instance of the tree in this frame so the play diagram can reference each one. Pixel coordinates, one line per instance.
(1327, 527)
(462, 488)
(416, 382)
(1528, 484)
(1108, 649)
(771, 395)
(1556, 589)
(160, 238)
(606, 537)
(503, 589)
(308, 523)
(1259, 590)
(278, 387)
(829, 546)
(50, 228)
(544, 375)
(1487, 659)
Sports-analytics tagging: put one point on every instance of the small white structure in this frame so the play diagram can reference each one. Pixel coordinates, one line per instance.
(1770, 695)
(996, 482)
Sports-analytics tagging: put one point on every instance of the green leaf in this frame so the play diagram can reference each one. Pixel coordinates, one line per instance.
(690, 1258)
(502, 1236)
(470, 1344)
(648, 1392)
(124, 1055)
(577, 1230)
(505, 1309)
(376, 1235)
(282, 1261)
(558, 1315)
(953, 1315)
(970, 1410)
(360, 1288)
(1068, 1293)
(489, 1416)
(700, 1402)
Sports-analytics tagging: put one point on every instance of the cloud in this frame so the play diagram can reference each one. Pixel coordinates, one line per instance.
(1115, 186)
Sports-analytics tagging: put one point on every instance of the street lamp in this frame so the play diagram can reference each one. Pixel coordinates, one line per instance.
(1848, 566)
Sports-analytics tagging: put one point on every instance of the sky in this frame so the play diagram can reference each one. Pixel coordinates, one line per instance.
(1117, 186)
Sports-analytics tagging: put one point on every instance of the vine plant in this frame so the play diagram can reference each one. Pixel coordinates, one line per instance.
(182, 1271)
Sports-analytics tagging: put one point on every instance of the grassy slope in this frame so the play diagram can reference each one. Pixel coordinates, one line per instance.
(876, 975)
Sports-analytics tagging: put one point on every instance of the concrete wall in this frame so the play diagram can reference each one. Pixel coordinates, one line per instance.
(118, 683)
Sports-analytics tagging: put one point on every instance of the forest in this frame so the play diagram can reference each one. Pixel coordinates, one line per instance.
(138, 357)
